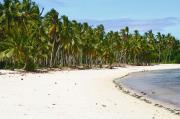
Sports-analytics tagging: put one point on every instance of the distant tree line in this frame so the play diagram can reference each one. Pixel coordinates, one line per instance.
(30, 40)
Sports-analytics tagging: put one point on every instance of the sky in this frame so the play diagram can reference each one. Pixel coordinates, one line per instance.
(157, 15)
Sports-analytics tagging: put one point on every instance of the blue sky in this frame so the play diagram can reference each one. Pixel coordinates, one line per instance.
(158, 15)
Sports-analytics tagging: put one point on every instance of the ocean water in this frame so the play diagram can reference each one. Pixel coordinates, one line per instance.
(161, 85)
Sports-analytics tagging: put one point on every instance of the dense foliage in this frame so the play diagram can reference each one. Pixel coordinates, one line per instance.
(29, 40)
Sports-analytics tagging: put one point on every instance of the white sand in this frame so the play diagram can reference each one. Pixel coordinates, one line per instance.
(87, 94)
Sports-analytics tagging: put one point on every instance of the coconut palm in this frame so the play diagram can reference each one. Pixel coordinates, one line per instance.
(29, 40)
(52, 25)
(21, 43)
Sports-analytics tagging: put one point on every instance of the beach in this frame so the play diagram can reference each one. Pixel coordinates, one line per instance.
(75, 94)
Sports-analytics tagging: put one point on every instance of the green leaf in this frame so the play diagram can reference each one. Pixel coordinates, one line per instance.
(6, 54)
(9, 53)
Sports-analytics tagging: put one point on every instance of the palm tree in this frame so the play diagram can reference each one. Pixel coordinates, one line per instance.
(53, 27)
(29, 40)
(124, 33)
(151, 46)
(170, 45)
(135, 48)
(160, 45)
(21, 43)
(66, 40)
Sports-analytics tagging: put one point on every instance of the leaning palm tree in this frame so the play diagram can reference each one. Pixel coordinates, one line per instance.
(21, 43)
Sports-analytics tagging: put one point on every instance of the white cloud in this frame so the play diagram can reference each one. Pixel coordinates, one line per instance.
(133, 24)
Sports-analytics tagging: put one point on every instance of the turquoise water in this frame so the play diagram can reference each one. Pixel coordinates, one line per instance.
(162, 85)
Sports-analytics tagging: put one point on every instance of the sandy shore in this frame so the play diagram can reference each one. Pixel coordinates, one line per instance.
(82, 94)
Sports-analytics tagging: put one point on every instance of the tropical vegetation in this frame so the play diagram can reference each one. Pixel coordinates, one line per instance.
(30, 40)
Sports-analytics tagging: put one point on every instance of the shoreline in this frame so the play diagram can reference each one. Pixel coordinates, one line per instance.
(143, 97)
(78, 94)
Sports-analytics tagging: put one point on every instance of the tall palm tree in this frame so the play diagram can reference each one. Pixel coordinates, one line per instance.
(21, 43)
(160, 45)
(53, 24)
(29, 40)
